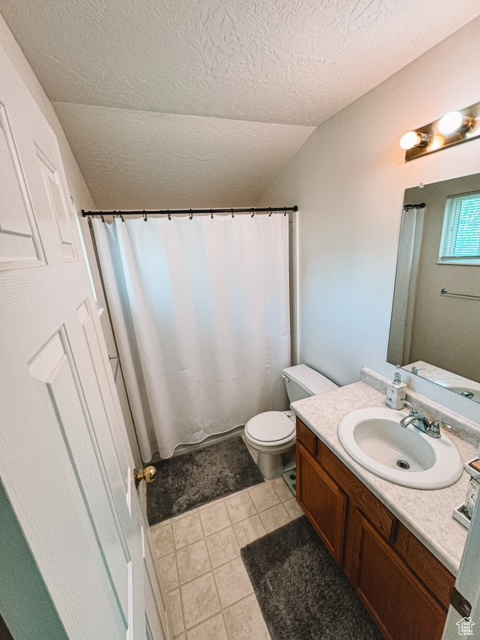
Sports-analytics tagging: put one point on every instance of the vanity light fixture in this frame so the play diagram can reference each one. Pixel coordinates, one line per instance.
(453, 128)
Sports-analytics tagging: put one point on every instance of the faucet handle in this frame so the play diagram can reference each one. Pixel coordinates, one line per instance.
(435, 429)
(443, 424)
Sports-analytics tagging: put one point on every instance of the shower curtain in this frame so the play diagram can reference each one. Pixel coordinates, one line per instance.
(200, 310)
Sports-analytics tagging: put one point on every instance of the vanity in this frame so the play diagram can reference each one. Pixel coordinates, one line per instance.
(399, 547)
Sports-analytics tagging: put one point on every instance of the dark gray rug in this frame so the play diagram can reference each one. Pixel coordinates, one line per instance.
(302, 592)
(195, 478)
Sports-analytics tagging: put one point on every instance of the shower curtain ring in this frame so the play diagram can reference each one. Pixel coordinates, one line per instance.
(144, 216)
(211, 214)
(190, 215)
(285, 211)
(102, 218)
(253, 212)
(233, 215)
(168, 214)
(270, 209)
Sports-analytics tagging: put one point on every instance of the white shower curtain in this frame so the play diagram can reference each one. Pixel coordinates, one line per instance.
(200, 310)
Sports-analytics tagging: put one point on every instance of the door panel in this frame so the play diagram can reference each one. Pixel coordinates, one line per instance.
(57, 204)
(65, 461)
(54, 366)
(19, 240)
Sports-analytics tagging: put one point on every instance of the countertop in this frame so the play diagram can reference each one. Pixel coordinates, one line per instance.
(427, 513)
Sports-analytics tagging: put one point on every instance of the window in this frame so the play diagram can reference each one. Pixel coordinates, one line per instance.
(461, 230)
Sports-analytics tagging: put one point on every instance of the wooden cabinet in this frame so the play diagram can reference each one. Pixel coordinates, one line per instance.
(405, 588)
(323, 501)
(398, 601)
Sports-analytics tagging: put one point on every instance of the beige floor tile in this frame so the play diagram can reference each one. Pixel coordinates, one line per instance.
(211, 629)
(222, 546)
(214, 518)
(244, 621)
(274, 517)
(161, 536)
(240, 507)
(187, 529)
(175, 612)
(167, 571)
(249, 530)
(232, 581)
(281, 489)
(200, 600)
(264, 496)
(193, 561)
(293, 508)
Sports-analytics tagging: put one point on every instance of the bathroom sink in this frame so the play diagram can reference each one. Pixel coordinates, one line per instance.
(406, 456)
(463, 387)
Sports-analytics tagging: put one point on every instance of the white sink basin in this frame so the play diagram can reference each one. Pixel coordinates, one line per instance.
(406, 456)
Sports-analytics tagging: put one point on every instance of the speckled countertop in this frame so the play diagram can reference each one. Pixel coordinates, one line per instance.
(428, 514)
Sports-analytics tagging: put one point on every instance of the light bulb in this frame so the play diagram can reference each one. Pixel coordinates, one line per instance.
(455, 122)
(413, 139)
(451, 122)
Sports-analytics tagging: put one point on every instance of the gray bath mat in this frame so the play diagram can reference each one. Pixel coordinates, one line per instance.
(192, 479)
(302, 592)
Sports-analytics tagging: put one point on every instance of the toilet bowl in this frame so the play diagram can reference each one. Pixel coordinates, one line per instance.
(272, 434)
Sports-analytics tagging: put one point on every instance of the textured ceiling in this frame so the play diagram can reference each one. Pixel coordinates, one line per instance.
(171, 103)
(143, 159)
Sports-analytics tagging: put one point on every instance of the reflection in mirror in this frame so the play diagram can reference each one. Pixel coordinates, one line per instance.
(435, 328)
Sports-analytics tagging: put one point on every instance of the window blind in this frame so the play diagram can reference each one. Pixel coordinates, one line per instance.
(461, 229)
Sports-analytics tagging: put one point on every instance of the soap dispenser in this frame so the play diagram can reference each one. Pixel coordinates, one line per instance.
(396, 392)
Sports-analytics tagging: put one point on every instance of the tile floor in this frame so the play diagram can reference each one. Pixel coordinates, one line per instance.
(207, 590)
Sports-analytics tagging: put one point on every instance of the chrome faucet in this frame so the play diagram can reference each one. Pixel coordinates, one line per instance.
(419, 421)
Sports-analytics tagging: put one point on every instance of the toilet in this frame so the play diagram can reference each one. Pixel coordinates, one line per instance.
(272, 433)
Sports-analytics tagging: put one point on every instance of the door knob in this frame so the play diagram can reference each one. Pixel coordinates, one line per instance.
(148, 474)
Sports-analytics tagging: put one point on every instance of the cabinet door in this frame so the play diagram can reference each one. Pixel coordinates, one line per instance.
(323, 501)
(402, 607)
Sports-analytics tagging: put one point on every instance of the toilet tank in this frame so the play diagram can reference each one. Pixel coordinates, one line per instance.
(302, 381)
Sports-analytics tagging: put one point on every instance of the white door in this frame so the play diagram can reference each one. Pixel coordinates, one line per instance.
(65, 464)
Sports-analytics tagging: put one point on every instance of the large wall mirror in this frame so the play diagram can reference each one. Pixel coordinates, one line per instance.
(435, 328)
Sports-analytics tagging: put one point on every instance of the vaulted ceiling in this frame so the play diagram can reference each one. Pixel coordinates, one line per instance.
(169, 103)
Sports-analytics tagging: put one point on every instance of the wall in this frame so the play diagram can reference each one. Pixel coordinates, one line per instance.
(76, 183)
(24, 600)
(348, 181)
(446, 331)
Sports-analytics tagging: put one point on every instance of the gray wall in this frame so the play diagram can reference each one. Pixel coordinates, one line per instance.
(24, 601)
(446, 331)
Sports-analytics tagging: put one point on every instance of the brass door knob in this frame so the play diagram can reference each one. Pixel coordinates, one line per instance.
(148, 474)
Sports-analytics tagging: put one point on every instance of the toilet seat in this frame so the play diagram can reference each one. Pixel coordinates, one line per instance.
(270, 429)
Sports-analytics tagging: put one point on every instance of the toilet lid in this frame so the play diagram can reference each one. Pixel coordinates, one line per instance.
(270, 426)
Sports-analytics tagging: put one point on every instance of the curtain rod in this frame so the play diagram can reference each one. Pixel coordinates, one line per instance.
(407, 207)
(189, 212)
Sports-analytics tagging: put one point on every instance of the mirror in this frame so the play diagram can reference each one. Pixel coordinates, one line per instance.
(435, 327)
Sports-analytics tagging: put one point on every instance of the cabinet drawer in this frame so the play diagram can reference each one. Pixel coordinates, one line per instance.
(376, 511)
(306, 437)
(430, 570)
